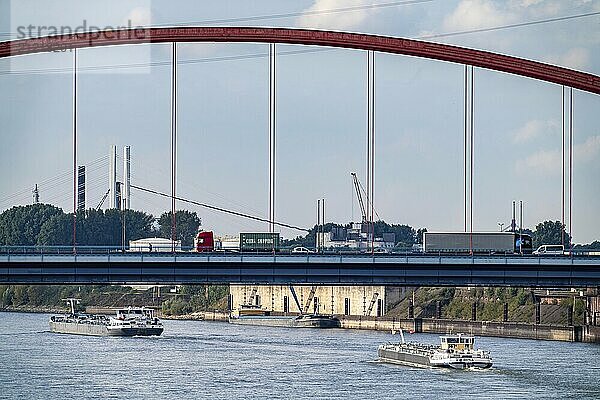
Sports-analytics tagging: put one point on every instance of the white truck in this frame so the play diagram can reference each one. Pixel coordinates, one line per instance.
(477, 242)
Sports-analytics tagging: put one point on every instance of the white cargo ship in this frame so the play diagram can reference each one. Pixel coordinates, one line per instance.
(456, 351)
(130, 321)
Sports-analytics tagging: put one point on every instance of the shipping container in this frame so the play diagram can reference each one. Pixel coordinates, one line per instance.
(482, 242)
(259, 242)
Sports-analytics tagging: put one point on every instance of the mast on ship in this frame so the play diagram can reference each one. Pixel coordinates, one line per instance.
(71, 301)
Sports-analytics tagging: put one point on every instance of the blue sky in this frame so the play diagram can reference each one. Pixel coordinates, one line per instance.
(223, 114)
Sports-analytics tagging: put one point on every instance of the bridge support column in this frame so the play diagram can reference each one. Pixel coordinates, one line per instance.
(411, 309)
(438, 309)
(474, 311)
(370, 176)
(538, 312)
(272, 130)
(173, 145)
(75, 151)
(505, 316)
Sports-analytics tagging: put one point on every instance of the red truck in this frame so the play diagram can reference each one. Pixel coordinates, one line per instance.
(205, 242)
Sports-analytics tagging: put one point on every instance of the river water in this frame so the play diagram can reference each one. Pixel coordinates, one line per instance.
(195, 359)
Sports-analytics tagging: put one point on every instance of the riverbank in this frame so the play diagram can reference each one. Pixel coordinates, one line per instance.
(34, 309)
(517, 330)
(217, 316)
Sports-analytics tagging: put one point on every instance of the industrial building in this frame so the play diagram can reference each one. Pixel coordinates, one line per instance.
(373, 301)
(119, 192)
(355, 237)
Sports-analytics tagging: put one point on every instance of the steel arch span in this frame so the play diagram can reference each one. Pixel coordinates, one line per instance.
(385, 44)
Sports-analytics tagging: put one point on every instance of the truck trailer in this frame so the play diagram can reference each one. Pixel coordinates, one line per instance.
(259, 242)
(477, 242)
(255, 242)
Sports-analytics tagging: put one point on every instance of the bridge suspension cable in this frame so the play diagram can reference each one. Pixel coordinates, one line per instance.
(220, 209)
(509, 26)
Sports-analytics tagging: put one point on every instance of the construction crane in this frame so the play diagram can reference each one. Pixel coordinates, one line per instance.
(359, 191)
(103, 200)
(358, 188)
(373, 300)
(293, 291)
(311, 295)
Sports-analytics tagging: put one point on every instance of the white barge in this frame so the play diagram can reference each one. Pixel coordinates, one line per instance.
(456, 351)
(130, 321)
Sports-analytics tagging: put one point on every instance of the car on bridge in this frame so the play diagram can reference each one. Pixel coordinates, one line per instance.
(301, 249)
(550, 250)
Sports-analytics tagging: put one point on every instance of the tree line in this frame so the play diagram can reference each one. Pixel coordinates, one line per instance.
(546, 232)
(47, 225)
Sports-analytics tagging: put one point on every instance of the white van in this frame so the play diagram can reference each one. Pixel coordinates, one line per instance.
(550, 250)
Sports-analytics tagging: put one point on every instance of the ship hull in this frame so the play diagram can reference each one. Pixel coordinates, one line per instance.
(395, 357)
(424, 361)
(467, 365)
(78, 329)
(317, 322)
(145, 331)
(287, 322)
(102, 330)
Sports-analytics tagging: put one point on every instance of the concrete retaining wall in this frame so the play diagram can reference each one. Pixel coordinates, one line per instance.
(590, 334)
(480, 328)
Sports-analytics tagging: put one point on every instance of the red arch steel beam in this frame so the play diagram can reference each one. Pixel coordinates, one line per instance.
(478, 58)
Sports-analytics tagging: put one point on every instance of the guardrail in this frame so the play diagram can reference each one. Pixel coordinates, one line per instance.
(190, 251)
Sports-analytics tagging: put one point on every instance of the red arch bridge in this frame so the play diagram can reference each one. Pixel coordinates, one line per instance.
(384, 44)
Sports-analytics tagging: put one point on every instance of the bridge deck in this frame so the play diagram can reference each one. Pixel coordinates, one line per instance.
(421, 270)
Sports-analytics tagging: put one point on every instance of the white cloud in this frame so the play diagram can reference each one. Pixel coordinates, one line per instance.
(533, 129)
(199, 50)
(543, 161)
(139, 16)
(588, 150)
(529, 3)
(474, 14)
(576, 58)
(342, 21)
(550, 161)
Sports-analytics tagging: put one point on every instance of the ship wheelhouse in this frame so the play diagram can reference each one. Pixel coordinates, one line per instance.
(458, 342)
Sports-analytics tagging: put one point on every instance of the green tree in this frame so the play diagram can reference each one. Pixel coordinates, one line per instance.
(420, 233)
(549, 232)
(187, 226)
(7, 295)
(105, 228)
(139, 225)
(21, 225)
(595, 245)
(57, 231)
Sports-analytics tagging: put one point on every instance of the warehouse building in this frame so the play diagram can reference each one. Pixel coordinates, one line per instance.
(373, 301)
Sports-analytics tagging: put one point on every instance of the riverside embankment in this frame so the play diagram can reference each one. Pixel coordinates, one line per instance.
(480, 328)
(518, 330)
(589, 334)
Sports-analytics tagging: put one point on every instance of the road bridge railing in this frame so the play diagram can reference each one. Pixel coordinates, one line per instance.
(338, 269)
